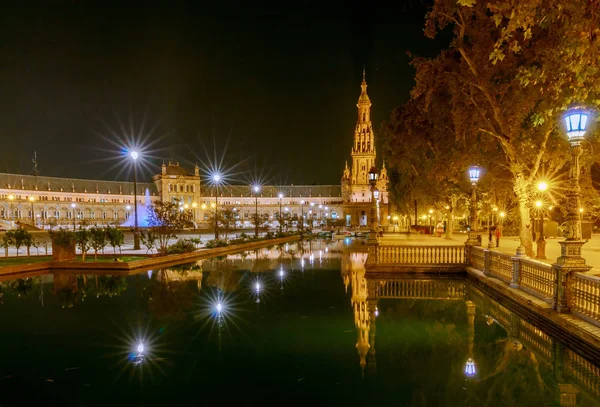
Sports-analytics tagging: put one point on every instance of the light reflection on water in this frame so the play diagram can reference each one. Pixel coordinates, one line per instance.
(298, 321)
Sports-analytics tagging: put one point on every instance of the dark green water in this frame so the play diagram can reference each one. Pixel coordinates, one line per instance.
(72, 339)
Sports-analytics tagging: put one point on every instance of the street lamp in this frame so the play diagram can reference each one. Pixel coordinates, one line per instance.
(217, 180)
(280, 220)
(302, 215)
(136, 236)
(11, 198)
(473, 177)
(73, 212)
(570, 259)
(373, 174)
(32, 199)
(541, 242)
(256, 189)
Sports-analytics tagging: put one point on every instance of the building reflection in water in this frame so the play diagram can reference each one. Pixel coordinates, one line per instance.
(575, 380)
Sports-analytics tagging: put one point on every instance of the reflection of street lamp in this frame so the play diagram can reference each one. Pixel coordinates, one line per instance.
(470, 369)
(73, 212)
(473, 177)
(136, 232)
(256, 190)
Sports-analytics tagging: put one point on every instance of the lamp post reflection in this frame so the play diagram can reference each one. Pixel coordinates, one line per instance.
(470, 368)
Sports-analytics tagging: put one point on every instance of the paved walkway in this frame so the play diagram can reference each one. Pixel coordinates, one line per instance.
(43, 242)
(508, 245)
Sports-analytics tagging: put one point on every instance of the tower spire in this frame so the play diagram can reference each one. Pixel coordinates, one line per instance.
(364, 80)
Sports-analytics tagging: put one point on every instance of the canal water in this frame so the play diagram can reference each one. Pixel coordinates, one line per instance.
(296, 324)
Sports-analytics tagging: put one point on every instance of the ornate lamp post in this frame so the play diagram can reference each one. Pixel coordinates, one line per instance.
(32, 199)
(11, 198)
(256, 190)
(136, 232)
(280, 219)
(373, 174)
(73, 212)
(217, 181)
(473, 177)
(302, 215)
(570, 259)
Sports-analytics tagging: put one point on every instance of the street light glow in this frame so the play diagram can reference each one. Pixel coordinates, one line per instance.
(538, 204)
(470, 368)
(256, 188)
(219, 307)
(502, 214)
(140, 348)
(542, 186)
(576, 121)
(217, 178)
(134, 155)
(280, 195)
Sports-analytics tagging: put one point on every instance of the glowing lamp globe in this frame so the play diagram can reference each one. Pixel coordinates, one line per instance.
(474, 174)
(140, 348)
(256, 189)
(280, 195)
(576, 121)
(376, 193)
(134, 155)
(470, 368)
(217, 178)
(219, 307)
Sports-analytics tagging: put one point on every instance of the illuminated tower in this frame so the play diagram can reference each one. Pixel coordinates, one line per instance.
(356, 191)
(363, 150)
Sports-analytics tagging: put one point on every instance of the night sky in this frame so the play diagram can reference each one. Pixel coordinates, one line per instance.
(272, 84)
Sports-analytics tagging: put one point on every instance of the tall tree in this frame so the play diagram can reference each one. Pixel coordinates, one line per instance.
(512, 68)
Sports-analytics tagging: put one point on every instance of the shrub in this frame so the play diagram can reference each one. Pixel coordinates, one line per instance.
(211, 244)
(62, 237)
(181, 246)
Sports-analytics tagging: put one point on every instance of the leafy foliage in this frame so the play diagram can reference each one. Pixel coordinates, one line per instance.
(499, 90)
(166, 220)
(82, 239)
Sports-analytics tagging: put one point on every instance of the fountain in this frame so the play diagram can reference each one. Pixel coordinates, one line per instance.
(143, 210)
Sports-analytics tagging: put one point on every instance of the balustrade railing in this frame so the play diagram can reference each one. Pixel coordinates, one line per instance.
(501, 266)
(477, 257)
(584, 297)
(420, 255)
(583, 372)
(582, 292)
(538, 279)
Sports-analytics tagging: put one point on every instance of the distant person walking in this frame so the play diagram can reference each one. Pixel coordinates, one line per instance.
(498, 233)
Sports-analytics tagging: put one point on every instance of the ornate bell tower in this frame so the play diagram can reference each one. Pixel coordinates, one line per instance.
(356, 190)
(363, 150)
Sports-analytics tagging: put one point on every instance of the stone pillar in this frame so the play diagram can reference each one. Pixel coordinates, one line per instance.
(516, 270)
(569, 261)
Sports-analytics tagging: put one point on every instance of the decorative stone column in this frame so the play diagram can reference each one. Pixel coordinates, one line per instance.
(570, 259)
(516, 269)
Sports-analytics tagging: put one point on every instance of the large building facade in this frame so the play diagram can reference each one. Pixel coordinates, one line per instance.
(356, 189)
(51, 201)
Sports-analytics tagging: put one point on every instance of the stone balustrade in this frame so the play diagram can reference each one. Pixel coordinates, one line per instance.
(418, 255)
(584, 296)
(580, 292)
